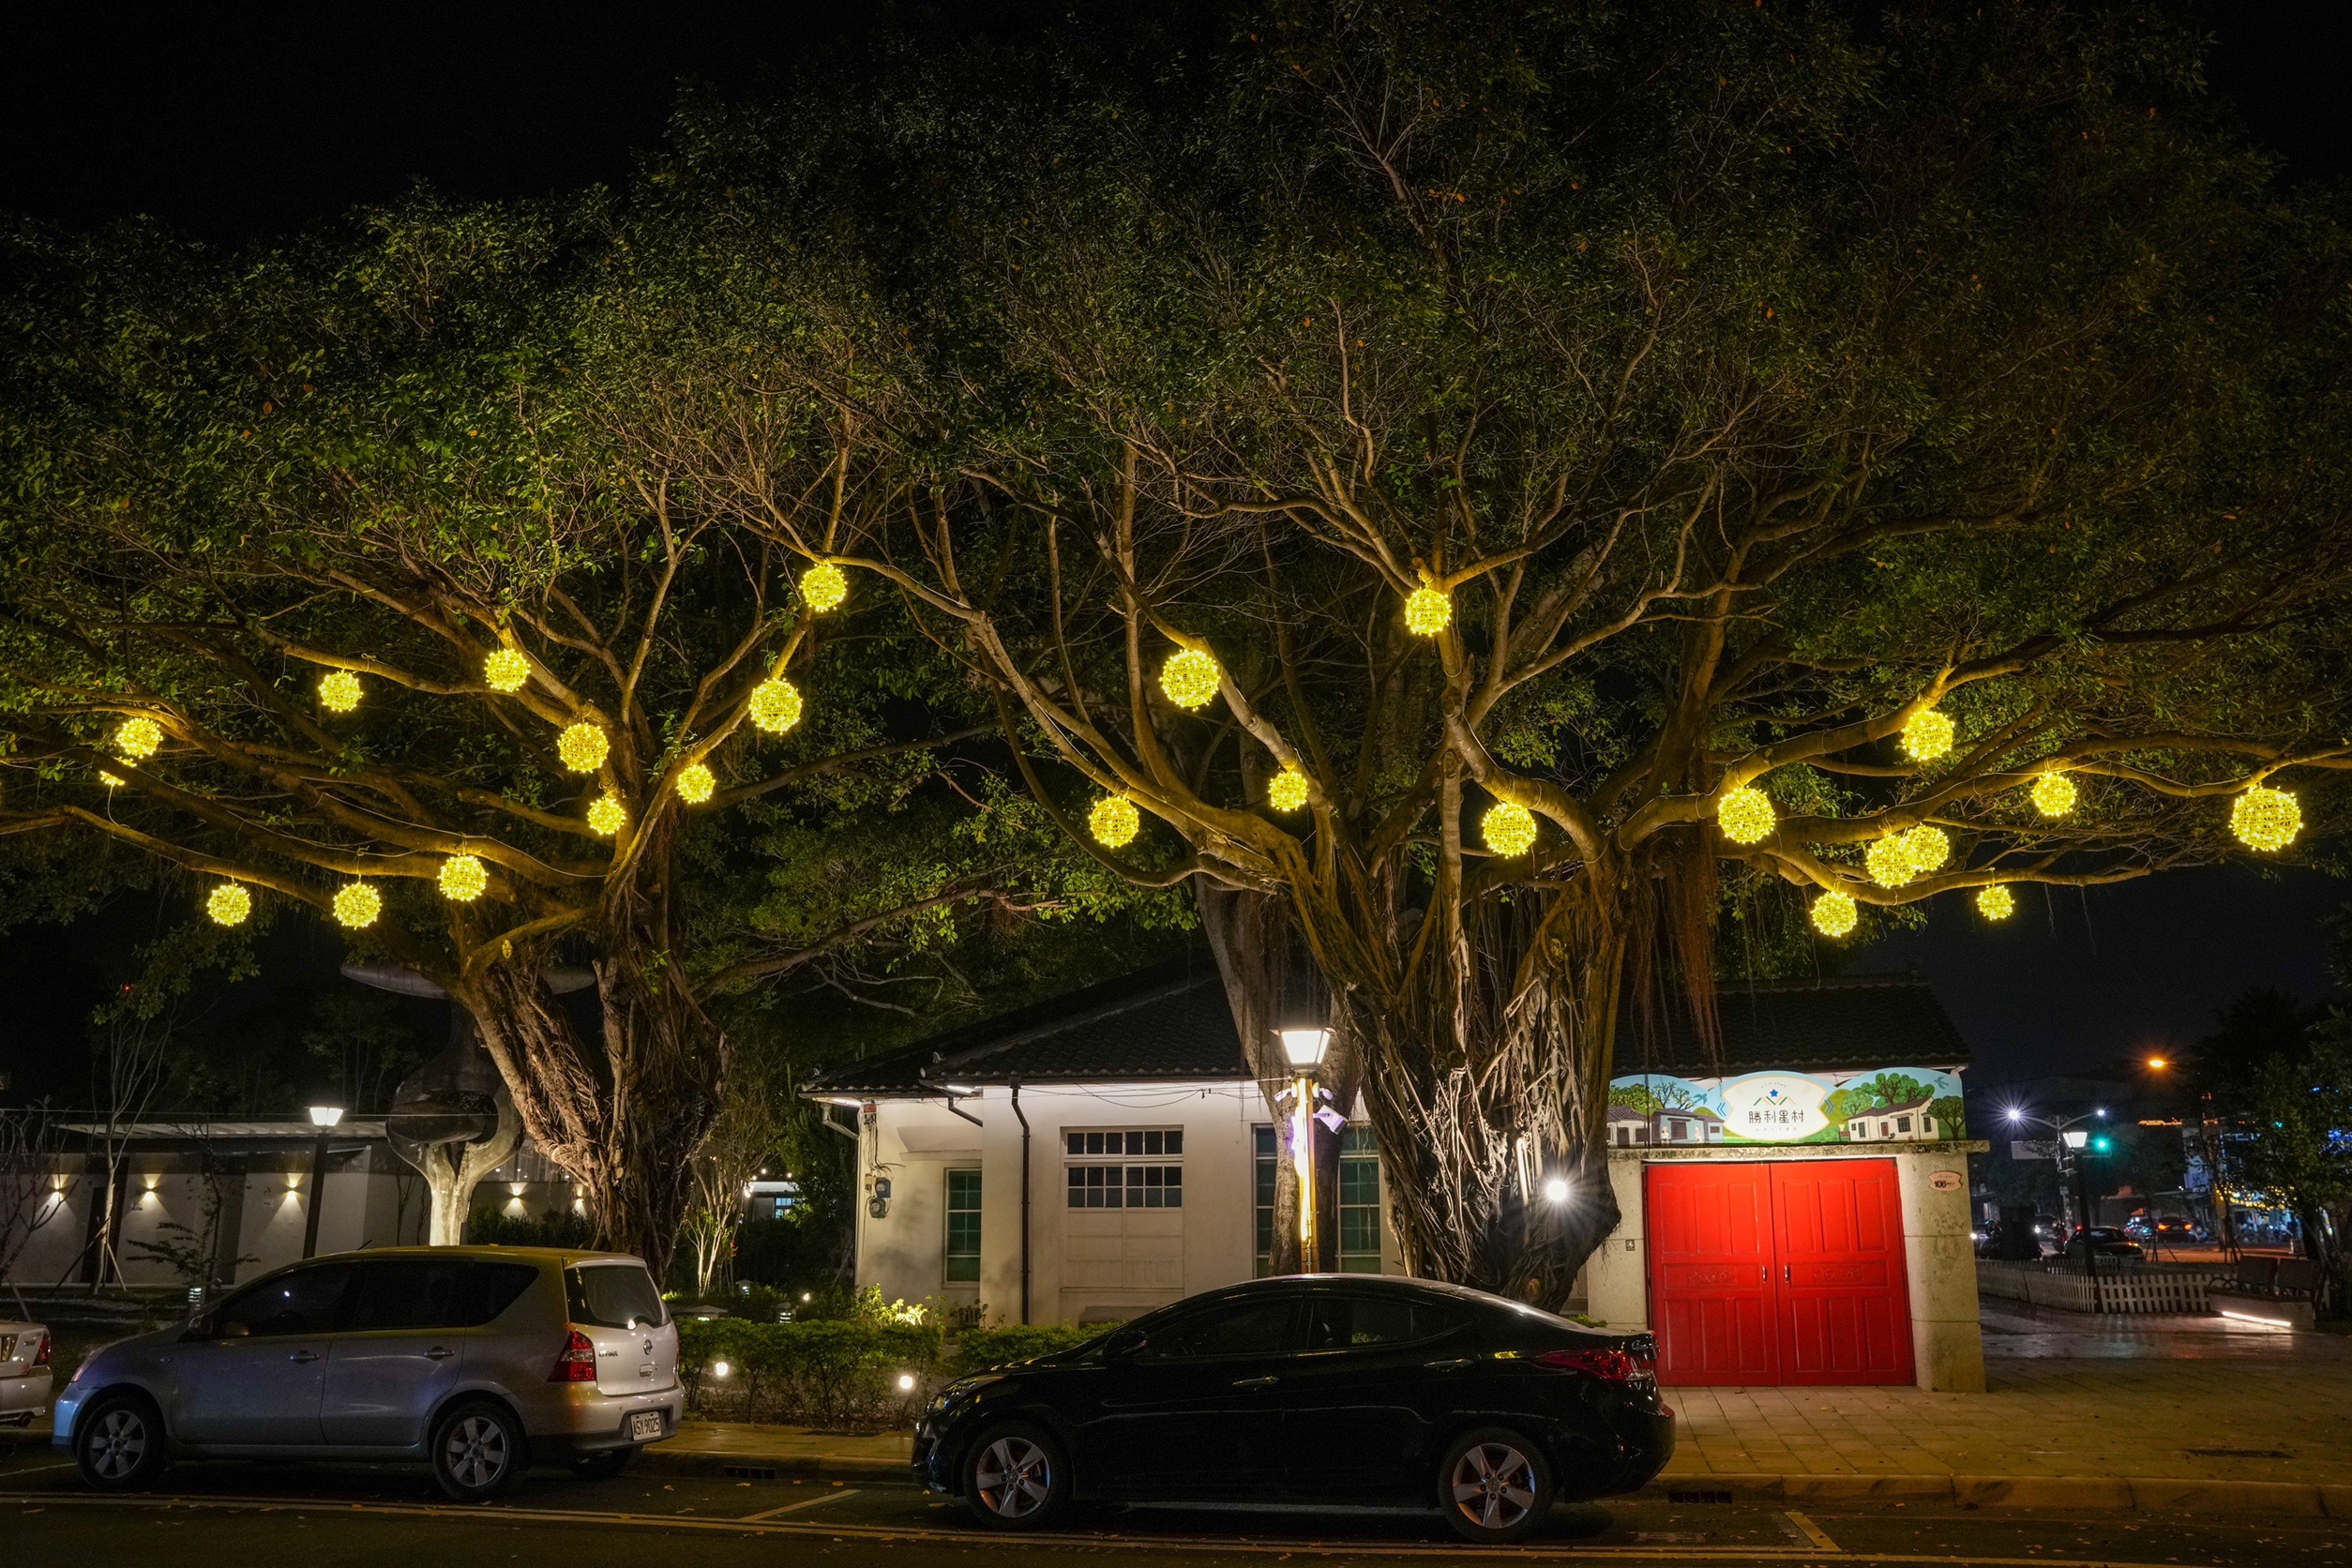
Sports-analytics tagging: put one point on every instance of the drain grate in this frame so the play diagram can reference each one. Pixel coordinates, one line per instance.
(1698, 1494)
(2238, 1453)
(749, 1472)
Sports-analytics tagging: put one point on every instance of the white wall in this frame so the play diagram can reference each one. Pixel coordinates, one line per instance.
(1947, 1344)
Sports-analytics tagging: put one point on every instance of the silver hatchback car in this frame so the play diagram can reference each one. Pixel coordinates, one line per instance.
(478, 1360)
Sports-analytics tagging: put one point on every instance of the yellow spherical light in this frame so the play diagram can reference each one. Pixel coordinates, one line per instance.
(338, 691)
(1189, 677)
(138, 739)
(1746, 815)
(2054, 795)
(505, 670)
(1509, 828)
(582, 746)
(1427, 611)
(1928, 848)
(357, 904)
(1113, 821)
(229, 905)
(695, 783)
(607, 816)
(1287, 790)
(2266, 818)
(823, 586)
(463, 879)
(1833, 915)
(774, 705)
(1889, 861)
(1927, 735)
(1994, 902)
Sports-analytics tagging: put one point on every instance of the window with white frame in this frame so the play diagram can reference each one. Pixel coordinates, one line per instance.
(963, 1227)
(1125, 1168)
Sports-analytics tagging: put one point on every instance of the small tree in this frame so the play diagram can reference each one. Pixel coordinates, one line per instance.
(2300, 1112)
(746, 1137)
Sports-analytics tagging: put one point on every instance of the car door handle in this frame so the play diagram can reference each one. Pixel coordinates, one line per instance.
(1447, 1365)
(1256, 1382)
(304, 1356)
(438, 1353)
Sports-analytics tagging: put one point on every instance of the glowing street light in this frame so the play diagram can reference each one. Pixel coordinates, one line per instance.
(1304, 1049)
(323, 1119)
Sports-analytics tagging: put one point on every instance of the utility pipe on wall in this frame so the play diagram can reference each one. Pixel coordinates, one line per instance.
(1023, 1120)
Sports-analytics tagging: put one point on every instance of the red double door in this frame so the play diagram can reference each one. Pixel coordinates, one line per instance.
(1778, 1271)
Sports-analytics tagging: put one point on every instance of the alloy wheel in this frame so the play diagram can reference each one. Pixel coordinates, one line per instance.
(475, 1453)
(1013, 1478)
(1494, 1485)
(118, 1444)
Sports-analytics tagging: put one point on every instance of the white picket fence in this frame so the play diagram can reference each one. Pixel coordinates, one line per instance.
(2121, 1287)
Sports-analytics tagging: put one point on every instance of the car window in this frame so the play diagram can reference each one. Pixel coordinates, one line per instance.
(433, 1292)
(1242, 1329)
(612, 1295)
(1351, 1322)
(308, 1300)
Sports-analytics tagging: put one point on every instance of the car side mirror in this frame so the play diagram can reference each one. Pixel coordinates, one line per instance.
(1122, 1344)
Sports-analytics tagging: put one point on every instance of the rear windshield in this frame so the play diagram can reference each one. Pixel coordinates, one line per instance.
(612, 1295)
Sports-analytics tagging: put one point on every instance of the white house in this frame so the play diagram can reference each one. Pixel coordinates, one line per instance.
(1910, 1121)
(1079, 1161)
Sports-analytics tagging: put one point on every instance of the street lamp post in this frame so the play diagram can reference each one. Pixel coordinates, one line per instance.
(2073, 1140)
(1305, 1049)
(323, 1118)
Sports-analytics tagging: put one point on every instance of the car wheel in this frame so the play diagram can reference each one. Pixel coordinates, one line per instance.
(603, 1464)
(478, 1451)
(1017, 1478)
(1494, 1487)
(120, 1444)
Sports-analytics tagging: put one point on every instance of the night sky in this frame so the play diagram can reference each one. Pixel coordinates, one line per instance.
(239, 123)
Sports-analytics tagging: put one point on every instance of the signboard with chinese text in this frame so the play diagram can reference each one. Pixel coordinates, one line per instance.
(1880, 1105)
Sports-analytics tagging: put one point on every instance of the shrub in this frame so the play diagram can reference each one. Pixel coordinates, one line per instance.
(841, 1373)
(981, 1349)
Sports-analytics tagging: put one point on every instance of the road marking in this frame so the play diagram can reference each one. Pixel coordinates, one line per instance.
(1077, 1540)
(1811, 1532)
(36, 1470)
(817, 1502)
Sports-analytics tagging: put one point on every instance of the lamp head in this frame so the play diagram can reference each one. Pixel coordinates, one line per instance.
(2015, 1114)
(1305, 1046)
(325, 1116)
(1556, 1190)
(2076, 1137)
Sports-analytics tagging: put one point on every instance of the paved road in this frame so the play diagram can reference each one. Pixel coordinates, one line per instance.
(300, 1515)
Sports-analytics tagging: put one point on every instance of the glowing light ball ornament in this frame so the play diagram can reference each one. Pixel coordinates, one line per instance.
(138, 739)
(463, 879)
(825, 587)
(2054, 795)
(229, 905)
(338, 691)
(1114, 821)
(2266, 818)
(1927, 848)
(607, 816)
(1889, 861)
(1509, 828)
(1189, 677)
(1427, 611)
(1994, 902)
(507, 669)
(1833, 915)
(695, 783)
(356, 905)
(1746, 815)
(583, 747)
(1927, 735)
(111, 781)
(775, 706)
(1287, 790)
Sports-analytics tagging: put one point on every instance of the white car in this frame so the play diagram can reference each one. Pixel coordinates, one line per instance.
(24, 1378)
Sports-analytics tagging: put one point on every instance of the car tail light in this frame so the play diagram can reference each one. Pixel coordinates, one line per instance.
(40, 1357)
(578, 1363)
(1610, 1367)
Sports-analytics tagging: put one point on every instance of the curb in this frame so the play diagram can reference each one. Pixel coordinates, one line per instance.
(2147, 1494)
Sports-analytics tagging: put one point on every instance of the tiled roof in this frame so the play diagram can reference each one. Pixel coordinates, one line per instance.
(1170, 1023)
(1866, 1020)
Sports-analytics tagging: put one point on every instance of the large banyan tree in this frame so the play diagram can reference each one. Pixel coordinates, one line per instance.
(347, 581)
(1505, 495)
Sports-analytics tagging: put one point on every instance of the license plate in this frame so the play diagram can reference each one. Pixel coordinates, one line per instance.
(646, 1426)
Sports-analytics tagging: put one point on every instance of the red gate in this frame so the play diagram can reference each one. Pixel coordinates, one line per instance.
(1778, 1271)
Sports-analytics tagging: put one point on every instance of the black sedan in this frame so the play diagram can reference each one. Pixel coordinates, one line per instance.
(1343, 1389)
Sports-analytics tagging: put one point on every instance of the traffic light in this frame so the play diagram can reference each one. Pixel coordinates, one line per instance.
(2102, 1144)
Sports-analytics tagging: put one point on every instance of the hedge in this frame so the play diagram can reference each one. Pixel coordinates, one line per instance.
(980, 1349)
(842, 1374)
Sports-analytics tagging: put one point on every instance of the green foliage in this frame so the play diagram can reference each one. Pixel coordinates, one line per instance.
(985, 1350)
(493, 1227)
(838, 1374)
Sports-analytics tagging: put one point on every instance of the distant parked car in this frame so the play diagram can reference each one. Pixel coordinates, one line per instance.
(477, 1361)
(2106, 1241)
(1313, 1389)
(25, 1372)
